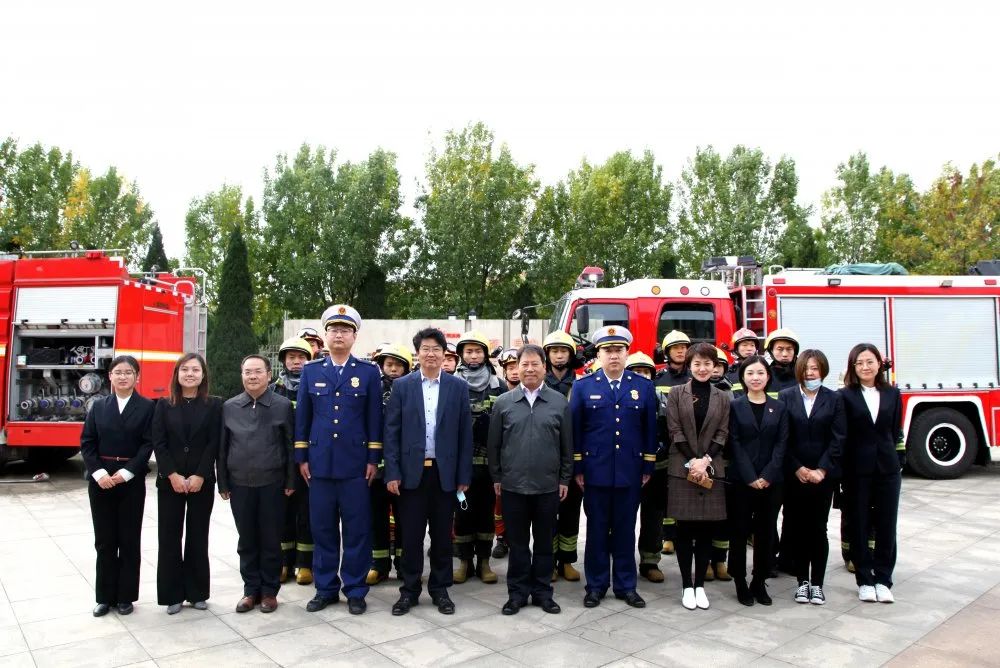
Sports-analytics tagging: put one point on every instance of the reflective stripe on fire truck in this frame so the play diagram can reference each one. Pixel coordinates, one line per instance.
(150, 355)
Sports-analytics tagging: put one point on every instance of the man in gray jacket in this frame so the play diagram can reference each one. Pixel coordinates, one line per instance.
(256, 470)
(530, 449)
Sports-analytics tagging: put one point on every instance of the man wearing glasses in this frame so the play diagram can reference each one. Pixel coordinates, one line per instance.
(338, 445)
(428, 462)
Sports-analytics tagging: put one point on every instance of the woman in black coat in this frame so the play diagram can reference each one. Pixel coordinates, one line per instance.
(758, 434)
(116, 445)
(816, 430)
(186, 428)
(874, 455)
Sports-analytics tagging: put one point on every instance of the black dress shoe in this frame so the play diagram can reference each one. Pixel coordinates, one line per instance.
(592, 599)
(319, 602)
(124, 608)
(632, 598)
(511, 607)
(101, 609)
(445, 605)
(547, 605)
(743, 594)
(356, 606)
(759, 590)
(403, 605)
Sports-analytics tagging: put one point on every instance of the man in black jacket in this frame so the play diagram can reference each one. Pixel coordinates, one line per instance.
(530, 449)
(256, 467)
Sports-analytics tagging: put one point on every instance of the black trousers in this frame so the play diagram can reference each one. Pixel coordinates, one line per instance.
(183, 575)
(117, 515)
(474, 527)
(384, 548)
(803, 532)
(873, 503)
(751, 512)
(260, 514)
(694, 542)
(296, 537)
(568, 525)
(652, 506)
(530, 516)
(425, 505)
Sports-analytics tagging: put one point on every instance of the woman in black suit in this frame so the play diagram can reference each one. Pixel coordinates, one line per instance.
(816, 430)
(116, 445)
(758, 434)
(186, 429)
(874, 455)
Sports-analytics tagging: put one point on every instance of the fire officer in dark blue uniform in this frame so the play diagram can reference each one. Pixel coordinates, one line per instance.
(614, 441)
(338, 445)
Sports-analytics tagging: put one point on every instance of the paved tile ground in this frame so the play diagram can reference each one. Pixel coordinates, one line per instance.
(947, 591)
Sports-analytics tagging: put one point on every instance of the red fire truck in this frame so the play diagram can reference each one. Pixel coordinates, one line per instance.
(63, 317)
(941, 333)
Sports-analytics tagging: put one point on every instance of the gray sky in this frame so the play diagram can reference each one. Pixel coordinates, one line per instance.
(186, 96)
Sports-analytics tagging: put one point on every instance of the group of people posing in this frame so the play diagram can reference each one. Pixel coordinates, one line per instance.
(336, 471)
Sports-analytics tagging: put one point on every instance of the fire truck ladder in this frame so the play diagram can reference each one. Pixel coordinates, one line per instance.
(745, 274)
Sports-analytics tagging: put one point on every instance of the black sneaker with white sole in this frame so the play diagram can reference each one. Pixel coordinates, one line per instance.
(802, 593)
(816, 596)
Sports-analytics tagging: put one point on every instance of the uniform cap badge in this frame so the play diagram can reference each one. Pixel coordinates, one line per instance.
(611, 331)
(342, 310)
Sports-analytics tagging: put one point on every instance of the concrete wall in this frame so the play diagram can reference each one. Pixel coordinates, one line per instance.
(374, 332)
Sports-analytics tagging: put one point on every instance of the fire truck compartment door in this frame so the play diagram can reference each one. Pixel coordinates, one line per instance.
(946, 340)
(85, 305)
(835, 325)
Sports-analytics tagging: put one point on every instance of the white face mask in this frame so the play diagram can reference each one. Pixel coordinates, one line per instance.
(813, 384)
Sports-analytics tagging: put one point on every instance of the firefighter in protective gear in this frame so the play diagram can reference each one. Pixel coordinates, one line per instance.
(508, 365)
(474, 525)
(675, 346)
(783, 347)
(744, 344)
(719, 372)
(561, 363)
(450, 359)
(313, 338)
(653, 500)
(394, 361)
(296, 538)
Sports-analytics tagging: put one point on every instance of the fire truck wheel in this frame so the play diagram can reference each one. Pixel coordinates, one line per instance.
(942, 444)
(50, 457)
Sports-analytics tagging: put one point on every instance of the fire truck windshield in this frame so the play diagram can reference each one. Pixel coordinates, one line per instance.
(601, 315)
(695, 320)
(558, 314)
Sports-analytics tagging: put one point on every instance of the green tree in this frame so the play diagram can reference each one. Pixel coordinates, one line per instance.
(476, 204)
(156, 256)
(798, 246)
(34, 185)
(958, 223)
(737, 205)
(614, 215)
(332, 233)
(108, 212)
(231, 337)
(209, 224)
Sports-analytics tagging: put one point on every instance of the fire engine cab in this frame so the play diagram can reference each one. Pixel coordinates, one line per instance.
(940, 332)
(63, 317)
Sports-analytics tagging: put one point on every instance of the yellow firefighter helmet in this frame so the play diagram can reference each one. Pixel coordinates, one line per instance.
(401, 353)
(673, 338)
(640, 359)
(476, 337)
(783, 334)
(295, 343)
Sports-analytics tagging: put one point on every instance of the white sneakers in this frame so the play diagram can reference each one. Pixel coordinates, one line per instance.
(700, 599)
(689, 600)
(802, 593)
(884, 594)
(866, 593)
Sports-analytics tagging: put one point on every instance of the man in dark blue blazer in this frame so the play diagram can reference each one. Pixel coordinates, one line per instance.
(614, 452)
(428, 460)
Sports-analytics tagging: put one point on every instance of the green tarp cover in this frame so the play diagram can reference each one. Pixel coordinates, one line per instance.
(866, 269)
